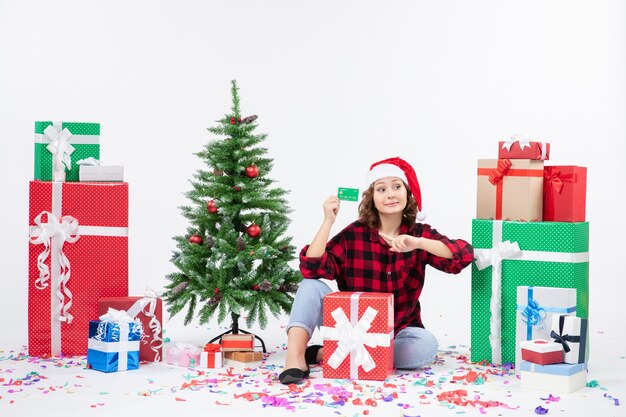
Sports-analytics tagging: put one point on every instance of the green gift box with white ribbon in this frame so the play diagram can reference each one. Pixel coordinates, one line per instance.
(510, 254)
(59, 145)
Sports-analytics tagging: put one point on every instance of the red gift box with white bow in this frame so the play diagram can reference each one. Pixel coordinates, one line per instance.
(78, 253)
(358, 335)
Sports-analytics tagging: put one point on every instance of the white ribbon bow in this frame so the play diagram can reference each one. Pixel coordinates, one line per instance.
(61, 150)
(117, 316)
(353, 339)
(494, 257)
(53, 234)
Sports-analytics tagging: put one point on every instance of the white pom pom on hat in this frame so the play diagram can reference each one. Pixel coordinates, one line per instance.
(397, 167)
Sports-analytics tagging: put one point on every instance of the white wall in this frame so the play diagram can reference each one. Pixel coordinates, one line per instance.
(337, 85)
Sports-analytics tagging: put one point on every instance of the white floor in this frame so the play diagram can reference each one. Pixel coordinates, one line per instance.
(64, 387)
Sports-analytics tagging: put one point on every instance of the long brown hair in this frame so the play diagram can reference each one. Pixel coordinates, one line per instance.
(368, 213)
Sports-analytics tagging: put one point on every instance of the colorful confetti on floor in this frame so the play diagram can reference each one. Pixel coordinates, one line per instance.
(451, 386)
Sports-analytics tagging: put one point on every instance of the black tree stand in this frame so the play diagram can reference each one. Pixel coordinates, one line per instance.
(234, 329)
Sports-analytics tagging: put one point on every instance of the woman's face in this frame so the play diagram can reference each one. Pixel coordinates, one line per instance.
(390, 195)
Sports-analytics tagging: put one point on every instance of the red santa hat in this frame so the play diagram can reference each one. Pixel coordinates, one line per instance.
(397, 167)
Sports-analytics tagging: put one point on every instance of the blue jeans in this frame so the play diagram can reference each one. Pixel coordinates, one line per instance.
(414, 347)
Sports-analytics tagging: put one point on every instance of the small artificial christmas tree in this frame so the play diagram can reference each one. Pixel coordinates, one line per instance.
(234, 257)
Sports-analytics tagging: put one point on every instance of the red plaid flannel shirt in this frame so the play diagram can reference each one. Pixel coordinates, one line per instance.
(360, 260)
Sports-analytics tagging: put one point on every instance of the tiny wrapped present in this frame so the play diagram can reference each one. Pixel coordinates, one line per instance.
(564, 193)
(90, 170)
(114, 342)
(237, 342)
(571, 333)
(245, 358)
(182, 354)
(211, 356)
(57, 145)
(509, 189)
(148, 309)
(560, 377)
(542, 352)
(522, 149)
(358, 335)
(535, 308)
(78, 253)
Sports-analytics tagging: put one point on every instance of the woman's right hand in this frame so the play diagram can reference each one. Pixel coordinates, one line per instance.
(331, 208)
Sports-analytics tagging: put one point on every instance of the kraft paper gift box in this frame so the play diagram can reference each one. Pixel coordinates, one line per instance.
(78, 253)
(243, 357)
(182, 354)
(535, 308)
(561, 377)
(211, 356)
(59, 145)
(358, 335)
(512, 254)
(114, 342)
(564, 193)
(149, 310)
(541, 352)
(237, 342)
(520, 149)
(509, 189)
(571, 333)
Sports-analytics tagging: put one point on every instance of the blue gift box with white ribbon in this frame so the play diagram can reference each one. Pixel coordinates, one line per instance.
(535, 308)
(113, 343)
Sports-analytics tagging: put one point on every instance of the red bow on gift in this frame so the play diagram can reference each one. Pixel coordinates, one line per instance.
(212, 347)
(497, 174)
(552, 179)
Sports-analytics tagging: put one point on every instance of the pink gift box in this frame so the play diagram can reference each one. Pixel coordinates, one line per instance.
(182, 354)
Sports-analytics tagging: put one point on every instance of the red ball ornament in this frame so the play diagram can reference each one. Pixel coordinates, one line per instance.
(211, 206)
(216, 291)
(253, 230)
(195, 239)
(255, 287)
(252, 171)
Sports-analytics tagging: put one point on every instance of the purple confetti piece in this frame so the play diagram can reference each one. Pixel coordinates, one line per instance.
(541, 410)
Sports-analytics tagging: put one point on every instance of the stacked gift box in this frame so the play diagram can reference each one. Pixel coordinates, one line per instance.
(78, 252)
(239, 350)
(530, 231)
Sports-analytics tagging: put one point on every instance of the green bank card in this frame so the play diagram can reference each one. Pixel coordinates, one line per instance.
(348, 194)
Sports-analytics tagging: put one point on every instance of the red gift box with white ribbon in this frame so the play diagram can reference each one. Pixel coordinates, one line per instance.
(149, 310)
(358, 335)
(78, 253)
(524, 149)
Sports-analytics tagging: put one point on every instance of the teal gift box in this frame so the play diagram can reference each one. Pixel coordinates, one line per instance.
(69, 141)
(113, 345)
(511, 254)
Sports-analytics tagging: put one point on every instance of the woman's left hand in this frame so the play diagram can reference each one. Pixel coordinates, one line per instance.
(402, 243)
